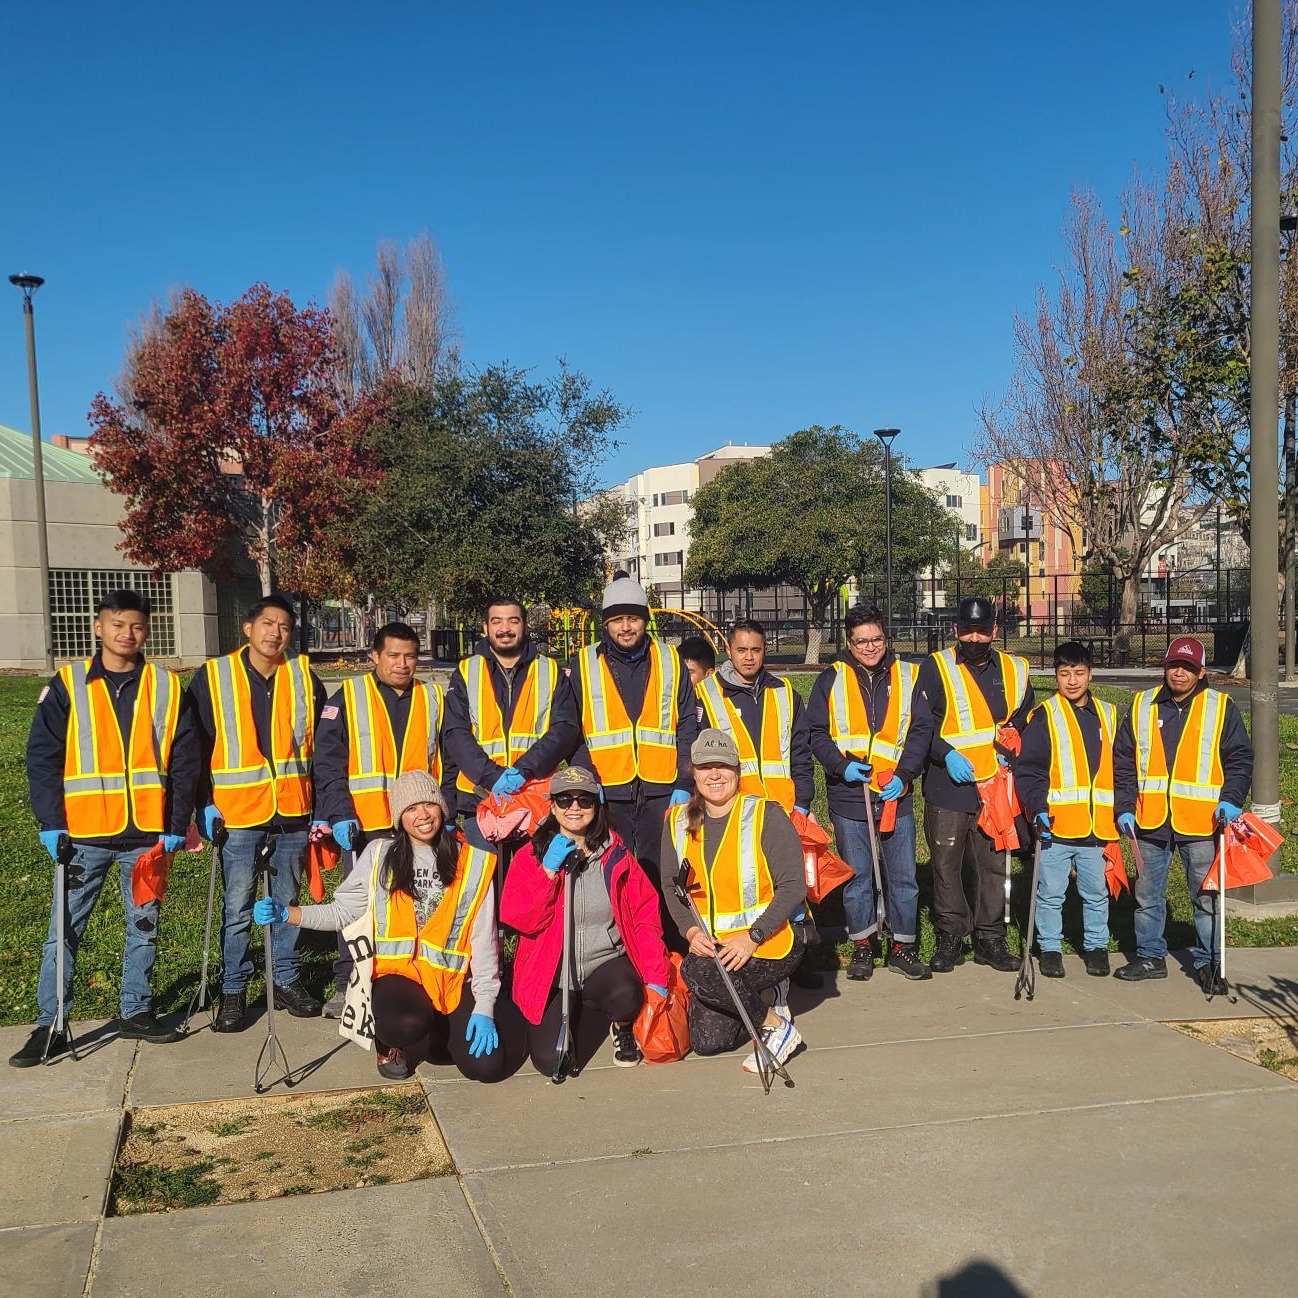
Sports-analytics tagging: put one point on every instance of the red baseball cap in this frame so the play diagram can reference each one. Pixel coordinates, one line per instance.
(1186, 651)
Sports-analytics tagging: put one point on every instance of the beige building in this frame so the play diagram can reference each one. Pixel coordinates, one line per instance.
(83, 525)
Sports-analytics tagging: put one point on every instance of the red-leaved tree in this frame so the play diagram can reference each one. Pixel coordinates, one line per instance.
(227, 438)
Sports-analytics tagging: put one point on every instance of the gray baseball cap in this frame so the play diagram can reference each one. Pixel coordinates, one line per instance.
(715, 747)
(573, 779)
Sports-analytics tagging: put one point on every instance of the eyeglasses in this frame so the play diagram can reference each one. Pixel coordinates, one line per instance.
(873, 642)
(586, 801)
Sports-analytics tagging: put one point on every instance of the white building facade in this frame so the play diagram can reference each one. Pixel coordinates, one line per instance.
(960, 494)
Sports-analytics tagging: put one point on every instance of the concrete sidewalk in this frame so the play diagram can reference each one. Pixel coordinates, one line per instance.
(941, 1140)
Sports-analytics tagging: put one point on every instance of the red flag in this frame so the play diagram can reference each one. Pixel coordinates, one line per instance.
(822, 869)
(888, 812)
(999, 807)
(149, 876)
(1249, 845)
(322, 854)
(1115, 870)
(518, 813)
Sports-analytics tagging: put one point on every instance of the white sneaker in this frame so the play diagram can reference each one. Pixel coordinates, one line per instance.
(781, 1041)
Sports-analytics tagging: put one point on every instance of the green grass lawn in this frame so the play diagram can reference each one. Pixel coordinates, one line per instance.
(25, 899)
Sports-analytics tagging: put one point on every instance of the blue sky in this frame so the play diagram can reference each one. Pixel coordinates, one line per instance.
(742, 218)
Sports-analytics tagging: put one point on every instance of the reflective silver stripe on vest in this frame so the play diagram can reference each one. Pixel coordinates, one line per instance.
(593, 686)
(783, 768)
(838, 700)
(547, 676)
(1142, 721)
(958, 697)
(301, 703)
(1068, 776)
(78, 676)
(749, 885)
(358, 699)
(223, 670)
(1213, 706)
(664, 733)
(163, 687)
(433, 715)
(473, 670)
(478, 865)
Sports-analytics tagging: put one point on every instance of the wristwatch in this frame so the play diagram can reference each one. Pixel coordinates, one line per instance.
(756, 934)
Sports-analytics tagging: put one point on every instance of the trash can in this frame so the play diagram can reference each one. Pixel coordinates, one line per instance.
(1227, 641)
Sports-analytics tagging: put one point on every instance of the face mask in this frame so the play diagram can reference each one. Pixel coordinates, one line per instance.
(975, 653)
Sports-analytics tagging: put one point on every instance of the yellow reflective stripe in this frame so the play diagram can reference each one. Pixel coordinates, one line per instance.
(783, 767)
(1070, 781)
(668, 682)
(750, 848)
(362, 715)
(592, 688)
(1142, 719)
(477, 680)
(1019, 672)
(432, 697)
(1214, 718)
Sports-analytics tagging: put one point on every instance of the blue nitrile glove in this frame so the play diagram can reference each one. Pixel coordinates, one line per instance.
(509, 782)
(208, 819)
(679, 798)
(481, 1035)
(1002, 759)
(857, 772)
(172, 842)
(343, 832)
(653, 987)
(1127, 824)
(1227, 811)
(892, 790)
(266, 910)
(958, 767)
(1042, 826)
(50, 839)
(804, 810)
(560, 849)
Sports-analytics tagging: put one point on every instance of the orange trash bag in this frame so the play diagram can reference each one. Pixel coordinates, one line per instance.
(149, 876)
(662, 1028)
(518, 813)
(1000, 805)
(1115, 870)
(322, 853)
(1249, 845)
(887, 821)
(1009, 739)
(822, 869)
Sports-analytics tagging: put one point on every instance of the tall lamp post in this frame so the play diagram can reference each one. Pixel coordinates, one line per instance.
(885, 435)
(27, 286)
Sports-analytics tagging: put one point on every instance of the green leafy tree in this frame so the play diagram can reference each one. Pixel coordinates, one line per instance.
(810, 515)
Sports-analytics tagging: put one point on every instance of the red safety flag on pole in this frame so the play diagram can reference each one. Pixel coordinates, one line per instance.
(149, 876)
(887, 821)
(322, 854)
(1250, 843)
(1115, 870)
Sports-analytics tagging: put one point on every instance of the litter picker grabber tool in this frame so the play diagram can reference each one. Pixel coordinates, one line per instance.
(1010, 781)
(767, 1068)
(271, 1051)
(198, 1002)
(1218, 961)
(1026, 983)
(60, 1024)
(564, 1057)
(880, 910)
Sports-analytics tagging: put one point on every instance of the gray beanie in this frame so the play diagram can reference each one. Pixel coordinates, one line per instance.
(624, 595)
(413, 787)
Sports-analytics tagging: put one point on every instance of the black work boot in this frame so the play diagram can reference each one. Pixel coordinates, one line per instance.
(903, 958)
(1052, 964)
(994, 952)
(949, 953)
(29, 1054)
(147, 1027)
(1097, 963)
(1142, 967)
(229, 1018)
(861, 966)
(295, 998)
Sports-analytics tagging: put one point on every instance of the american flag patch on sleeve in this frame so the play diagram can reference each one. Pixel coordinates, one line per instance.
(44, 692)
(329, 712)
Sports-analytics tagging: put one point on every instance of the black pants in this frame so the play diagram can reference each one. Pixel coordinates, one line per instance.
(613, 993)
(954, 839)
(405, 1017)
(715, 1025)
(639, 824)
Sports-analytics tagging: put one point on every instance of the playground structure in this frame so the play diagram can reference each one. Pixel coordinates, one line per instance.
(568, 629)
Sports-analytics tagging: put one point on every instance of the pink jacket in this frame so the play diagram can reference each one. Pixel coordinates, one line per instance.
(532, 902)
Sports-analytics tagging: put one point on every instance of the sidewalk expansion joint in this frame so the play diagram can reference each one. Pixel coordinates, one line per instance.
(97, 1242)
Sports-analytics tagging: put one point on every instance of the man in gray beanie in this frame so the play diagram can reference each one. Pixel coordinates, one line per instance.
(638, 720)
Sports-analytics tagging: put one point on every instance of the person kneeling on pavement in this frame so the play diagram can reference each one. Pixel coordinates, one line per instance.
(616, 939)
(746, 878)
(434, 918)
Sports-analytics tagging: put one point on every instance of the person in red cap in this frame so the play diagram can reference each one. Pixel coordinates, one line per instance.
(1182, 763)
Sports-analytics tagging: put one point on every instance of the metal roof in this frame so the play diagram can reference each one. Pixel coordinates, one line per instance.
(58, 464)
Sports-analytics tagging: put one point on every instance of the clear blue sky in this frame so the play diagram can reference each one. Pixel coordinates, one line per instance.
(743, 218)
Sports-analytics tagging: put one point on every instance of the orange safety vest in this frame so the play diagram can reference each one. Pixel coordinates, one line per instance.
(1197, 775)
(849, 722)
(437, 955)
(97, 780)
(968, 725)
(248, 788)
(733, 894)
(769, 775)
(531, 717)
(372, 762)
(1080, 800)
(622, 752)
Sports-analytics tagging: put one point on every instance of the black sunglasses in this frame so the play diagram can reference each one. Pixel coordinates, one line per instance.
(585, 801)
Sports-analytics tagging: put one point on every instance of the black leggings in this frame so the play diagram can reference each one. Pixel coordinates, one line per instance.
(405, 1017)
(613, 993)
(715, 1025)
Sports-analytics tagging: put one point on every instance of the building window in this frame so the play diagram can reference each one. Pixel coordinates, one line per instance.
(971, 532)
(655, 500)
(1041, 551)
(669, 559)
(955, 502)
(664, 529)
(673, 498)
(74, 593)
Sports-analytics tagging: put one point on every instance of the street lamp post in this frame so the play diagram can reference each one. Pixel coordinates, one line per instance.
(885, 435)
(27, 286)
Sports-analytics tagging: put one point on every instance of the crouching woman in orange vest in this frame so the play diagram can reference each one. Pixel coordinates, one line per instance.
(746, 878)
(434, 917)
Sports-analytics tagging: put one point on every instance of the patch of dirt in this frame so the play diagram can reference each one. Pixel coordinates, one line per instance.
(1270, 1043)
(235, 1151)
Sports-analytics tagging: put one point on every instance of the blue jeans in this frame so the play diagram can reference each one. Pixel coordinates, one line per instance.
(1151, 898)
(242, 888)
(897, 866)
(87, 873)
(1056, 862)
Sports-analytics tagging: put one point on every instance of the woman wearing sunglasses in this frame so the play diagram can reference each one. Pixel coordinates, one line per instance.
(616, 942)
